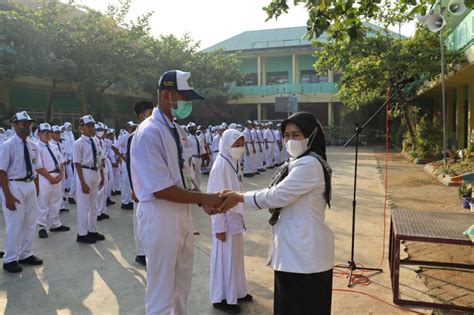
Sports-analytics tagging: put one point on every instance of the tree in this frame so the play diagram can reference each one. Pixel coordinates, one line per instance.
(40, 42)
(370, 64)
(343, 19)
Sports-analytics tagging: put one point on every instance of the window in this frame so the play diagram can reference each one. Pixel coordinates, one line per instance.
(277, 77)
(309, 76)
(250, 79)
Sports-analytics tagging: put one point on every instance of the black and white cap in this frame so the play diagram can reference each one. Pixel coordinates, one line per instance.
(21, 116)
(178, 80)
(56, 129)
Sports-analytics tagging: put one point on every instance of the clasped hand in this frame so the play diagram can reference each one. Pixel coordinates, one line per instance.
(221, 202)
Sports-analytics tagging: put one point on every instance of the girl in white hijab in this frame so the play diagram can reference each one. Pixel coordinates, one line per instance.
(227, 275)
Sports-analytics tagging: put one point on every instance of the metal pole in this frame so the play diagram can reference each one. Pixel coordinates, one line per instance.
(443, 94)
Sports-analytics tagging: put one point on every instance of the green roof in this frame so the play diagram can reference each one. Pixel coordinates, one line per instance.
(263, 39)
(277, 38)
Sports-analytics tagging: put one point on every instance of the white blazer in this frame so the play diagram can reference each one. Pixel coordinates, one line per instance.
(302, 242)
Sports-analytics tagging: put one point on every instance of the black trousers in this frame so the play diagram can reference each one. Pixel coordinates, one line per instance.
(303, 294)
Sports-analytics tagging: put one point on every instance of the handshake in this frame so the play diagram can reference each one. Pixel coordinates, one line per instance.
(221, 202)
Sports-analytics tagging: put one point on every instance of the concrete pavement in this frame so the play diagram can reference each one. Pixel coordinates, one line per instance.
(104, 279)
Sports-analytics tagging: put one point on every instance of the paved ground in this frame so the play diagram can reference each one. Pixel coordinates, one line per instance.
(412, 188)
(104, 279)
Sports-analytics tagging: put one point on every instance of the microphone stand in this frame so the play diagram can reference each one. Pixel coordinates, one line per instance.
(357, 131)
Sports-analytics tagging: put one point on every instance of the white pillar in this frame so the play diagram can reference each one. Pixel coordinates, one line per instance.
(259, 111)
(264, 71)
(294, 68)
(330, 76)
(259, 70)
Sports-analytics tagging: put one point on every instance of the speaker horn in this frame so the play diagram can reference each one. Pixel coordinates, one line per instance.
(456, 7)
(435, 22)
(423, 19)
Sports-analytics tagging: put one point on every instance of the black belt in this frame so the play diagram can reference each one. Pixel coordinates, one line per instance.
(54, 171)
(197, 156)
(270, 141)
(89, 167)
(26, 179)
(216, 151)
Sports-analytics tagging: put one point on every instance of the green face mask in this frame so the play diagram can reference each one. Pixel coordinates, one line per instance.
(183, 111)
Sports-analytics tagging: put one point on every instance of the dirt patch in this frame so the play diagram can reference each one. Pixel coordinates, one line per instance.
(409, 187)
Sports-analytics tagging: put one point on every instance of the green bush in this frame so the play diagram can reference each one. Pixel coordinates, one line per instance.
(428, 138)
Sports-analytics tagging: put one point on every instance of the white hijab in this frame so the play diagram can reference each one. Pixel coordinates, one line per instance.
(226, 171)
(68, 134)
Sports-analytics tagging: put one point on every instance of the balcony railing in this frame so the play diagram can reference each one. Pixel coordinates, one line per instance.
(463, 35)
(285, 89)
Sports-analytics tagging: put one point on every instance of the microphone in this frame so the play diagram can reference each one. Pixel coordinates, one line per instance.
(405, 81)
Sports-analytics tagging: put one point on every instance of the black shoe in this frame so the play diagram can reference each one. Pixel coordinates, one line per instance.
(103, 216)
(118, 192)
(247, 298)
(257, 173)
(71, 201)
(96, 236)
(261, 170)
(32, 260)
(228, 308)
(61, 228)
(12, 267)
(127, 206)
(141, 260)
(110, 202)
(67, 190)
(248, 175)
(271, 167)
(63, 210)
(1, 254)
(64, 198)
(86, 239)
(113, 193)
(42, 233)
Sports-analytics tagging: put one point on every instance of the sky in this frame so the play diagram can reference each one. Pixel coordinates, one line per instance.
(212, 21)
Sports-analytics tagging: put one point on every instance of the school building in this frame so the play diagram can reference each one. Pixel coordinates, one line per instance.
(459, 88)
(278, 63)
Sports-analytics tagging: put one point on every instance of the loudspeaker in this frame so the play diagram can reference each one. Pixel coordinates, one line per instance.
(423, 19)
(435, 22)
(456, 7)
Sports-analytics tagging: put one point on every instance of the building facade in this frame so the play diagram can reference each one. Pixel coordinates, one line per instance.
(278, 63)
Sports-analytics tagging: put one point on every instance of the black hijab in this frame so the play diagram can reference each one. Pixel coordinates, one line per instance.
(308, 123)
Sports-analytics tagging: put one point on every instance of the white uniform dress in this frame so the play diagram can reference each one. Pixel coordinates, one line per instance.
(71, 179)
(165, 227)
(102, 194)
(227, 274)
(50, 196)
(19, 224)
(121, 145)
(87, 203)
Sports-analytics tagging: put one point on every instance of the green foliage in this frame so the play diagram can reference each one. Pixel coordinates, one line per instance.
(102, 52)
(465, 190)
(342, 19)
(428, 138)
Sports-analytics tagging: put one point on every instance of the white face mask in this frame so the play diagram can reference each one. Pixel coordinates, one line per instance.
(296, 148)
(99, 134)
(236, 153)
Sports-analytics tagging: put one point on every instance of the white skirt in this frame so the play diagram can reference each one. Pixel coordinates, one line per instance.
(227, 273)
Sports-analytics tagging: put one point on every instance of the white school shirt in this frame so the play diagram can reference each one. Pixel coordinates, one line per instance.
(82, 151)
(12, 158)
(269, 136)
(46, 159)
(215, 143)
(302, 241)
(154, 158)
(194, 145)
(60, 147)
(121, 143)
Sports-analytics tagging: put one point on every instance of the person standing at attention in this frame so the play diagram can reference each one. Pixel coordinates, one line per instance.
(19, 160)
(90, 179)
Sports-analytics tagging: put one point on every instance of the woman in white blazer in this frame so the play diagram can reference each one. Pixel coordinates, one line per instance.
(302, 248)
